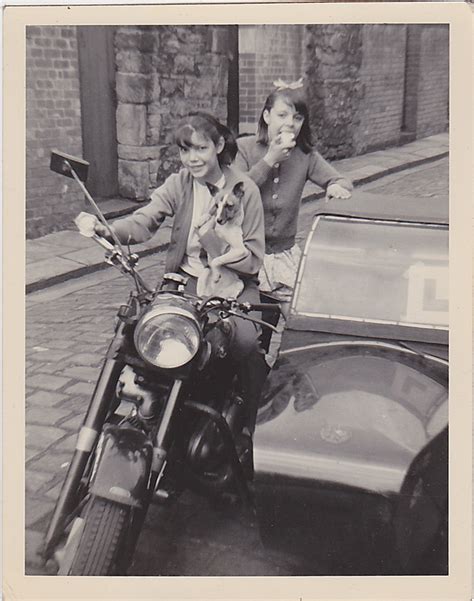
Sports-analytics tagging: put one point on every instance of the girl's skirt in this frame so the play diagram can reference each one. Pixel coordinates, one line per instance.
(277, 278)
(278, 273)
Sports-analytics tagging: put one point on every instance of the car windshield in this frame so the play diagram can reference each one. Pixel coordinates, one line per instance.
(375, 272)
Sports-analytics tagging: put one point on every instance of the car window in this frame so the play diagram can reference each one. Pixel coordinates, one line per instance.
(375, 271)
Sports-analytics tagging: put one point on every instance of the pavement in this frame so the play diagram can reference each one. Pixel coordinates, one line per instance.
(65, 255)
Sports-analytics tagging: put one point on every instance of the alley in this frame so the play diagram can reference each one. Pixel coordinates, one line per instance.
(68, 327)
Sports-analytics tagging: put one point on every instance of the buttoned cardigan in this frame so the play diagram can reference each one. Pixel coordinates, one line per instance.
(175, 198)
(281, 187)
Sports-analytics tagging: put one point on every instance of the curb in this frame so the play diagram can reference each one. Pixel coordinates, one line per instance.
(366, 179)
(88, 269)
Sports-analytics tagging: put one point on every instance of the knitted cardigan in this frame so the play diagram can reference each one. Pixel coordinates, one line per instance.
(175, 198)
(281, 187)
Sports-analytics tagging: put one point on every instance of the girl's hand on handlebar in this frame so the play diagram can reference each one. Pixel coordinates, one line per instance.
(337, 191)
(86, 224)
(280, 148)
(101, 230)
(89, 224)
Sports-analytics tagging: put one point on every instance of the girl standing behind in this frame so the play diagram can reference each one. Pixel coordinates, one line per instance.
(280, 159)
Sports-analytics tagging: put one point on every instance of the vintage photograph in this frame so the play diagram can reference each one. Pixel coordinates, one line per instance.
(237, 299)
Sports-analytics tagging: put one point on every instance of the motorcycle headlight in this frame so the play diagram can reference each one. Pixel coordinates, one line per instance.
(167, 339)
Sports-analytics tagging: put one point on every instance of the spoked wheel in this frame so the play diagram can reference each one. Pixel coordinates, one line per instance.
(103, 539)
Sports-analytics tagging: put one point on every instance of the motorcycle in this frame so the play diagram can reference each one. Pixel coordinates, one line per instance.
(166, 414)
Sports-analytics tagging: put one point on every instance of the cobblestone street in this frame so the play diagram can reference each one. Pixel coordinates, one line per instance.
(68, 328)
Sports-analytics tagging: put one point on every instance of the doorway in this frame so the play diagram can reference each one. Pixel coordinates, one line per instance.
(98, 106)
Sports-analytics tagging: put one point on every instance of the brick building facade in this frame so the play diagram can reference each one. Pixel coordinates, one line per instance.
(120, 107)
(265, 53)
(381, 79)
(53, 119)
(433, 82)
(369, 86)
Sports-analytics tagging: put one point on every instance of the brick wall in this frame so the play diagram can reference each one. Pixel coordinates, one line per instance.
(382, 76)
(163, 72)
(369, 86)
(412, 78)
(357, 75)
(266, 53)
(433, 85)
(53, 120)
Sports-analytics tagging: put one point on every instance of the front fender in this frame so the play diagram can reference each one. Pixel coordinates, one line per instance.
(123, 466)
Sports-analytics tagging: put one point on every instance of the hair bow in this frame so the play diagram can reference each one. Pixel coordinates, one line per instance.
(283, 85)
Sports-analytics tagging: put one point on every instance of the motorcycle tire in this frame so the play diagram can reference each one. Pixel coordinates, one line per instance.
(106, 525)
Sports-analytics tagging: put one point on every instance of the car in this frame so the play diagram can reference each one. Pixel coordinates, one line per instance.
(351, 444)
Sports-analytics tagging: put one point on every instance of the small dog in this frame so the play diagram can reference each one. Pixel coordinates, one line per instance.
(221, 235)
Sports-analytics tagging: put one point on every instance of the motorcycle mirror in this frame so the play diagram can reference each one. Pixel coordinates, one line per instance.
(61, 163)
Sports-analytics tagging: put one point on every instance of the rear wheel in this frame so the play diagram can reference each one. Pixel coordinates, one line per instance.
(102, 540)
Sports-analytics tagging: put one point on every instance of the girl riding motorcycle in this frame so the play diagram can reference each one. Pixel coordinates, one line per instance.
(206, 149)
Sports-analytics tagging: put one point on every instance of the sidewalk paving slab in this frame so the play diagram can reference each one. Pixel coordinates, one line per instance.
(387, 160)
(48, 268)
(64, 255)
(360, 175)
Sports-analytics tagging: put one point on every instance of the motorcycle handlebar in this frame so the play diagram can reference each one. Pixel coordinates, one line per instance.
(103, 241)
(263, 306)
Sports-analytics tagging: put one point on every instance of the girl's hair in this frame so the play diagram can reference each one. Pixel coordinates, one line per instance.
(211, 128)
(294, 98)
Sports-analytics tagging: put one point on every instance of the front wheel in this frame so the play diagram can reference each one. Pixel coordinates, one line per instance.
(103, 539)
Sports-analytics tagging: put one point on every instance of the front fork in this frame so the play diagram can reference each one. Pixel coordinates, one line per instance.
(160, 449)
(86, 440)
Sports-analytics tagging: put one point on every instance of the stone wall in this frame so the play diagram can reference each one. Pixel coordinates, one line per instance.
(266, 53)
(53, 120)
(373, 86)
(382, 81)
(163, 72)
(333, 56)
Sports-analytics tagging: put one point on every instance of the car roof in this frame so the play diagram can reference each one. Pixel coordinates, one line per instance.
(391, 207)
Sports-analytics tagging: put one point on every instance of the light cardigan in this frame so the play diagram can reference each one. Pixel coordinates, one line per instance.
(175, 198)
(281, 187)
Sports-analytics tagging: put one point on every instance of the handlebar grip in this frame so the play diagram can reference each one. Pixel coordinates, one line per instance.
(265, 307)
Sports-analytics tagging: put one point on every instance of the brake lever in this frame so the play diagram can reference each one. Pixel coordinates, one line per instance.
(252, 319)
(103, 242)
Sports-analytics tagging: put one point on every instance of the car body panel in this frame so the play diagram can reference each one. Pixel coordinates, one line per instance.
(354, 414)
(371, 205)
(360, 390)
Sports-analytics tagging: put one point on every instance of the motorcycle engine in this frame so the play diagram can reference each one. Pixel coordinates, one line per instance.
(131, 390)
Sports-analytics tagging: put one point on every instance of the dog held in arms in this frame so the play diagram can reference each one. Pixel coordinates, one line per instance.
(220, 233)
